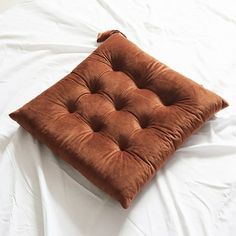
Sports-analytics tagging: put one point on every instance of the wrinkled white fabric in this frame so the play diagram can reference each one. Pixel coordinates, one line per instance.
(193, 195)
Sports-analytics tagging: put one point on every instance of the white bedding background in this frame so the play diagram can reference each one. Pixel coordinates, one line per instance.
(193, 195)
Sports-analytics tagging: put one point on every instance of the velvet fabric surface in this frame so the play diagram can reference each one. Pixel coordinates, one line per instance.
(118, 116)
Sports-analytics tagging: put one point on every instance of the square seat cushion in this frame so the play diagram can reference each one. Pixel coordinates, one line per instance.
(118, 116)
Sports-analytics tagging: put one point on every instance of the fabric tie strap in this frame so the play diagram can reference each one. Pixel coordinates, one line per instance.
(105, 35)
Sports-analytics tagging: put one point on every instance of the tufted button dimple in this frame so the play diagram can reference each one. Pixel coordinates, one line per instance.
(95, 86)
(138, 78)
(123, 143)
(165, 93)
(145, 120)
(114, 67)
(120, 102)
(117, 63)
(140, 84)
(71, 107)
(96, 124)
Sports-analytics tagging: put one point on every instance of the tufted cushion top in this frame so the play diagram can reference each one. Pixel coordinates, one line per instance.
(118, 116)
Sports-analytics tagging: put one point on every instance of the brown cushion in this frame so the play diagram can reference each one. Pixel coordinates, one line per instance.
(118, 116)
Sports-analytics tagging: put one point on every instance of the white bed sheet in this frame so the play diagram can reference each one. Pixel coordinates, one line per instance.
(193, 195)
